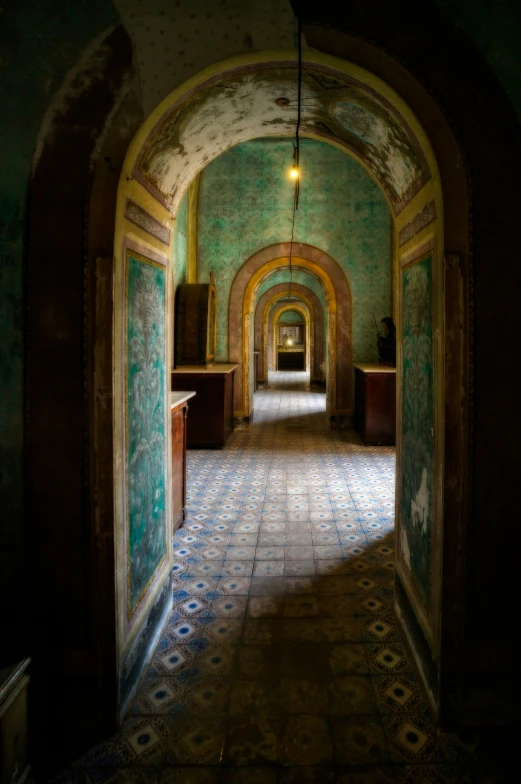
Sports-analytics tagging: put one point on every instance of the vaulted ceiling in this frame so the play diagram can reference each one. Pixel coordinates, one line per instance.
(260, 100)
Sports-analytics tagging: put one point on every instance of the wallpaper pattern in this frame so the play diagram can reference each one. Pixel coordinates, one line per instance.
(246, 204)
(417, 423)
(145, 423)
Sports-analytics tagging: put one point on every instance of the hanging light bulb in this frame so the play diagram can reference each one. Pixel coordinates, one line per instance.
(294, 172)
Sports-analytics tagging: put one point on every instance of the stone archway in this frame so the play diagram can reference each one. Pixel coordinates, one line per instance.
(274, 314)
(338, 298)
(260, 335)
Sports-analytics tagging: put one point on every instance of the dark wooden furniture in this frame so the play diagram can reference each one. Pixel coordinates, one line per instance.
(211, 412)
(291, 360)
(375, 403)
(196, 324)
(178, 418)
(255, 370)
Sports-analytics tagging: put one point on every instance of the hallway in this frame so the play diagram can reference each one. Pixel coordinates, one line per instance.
(282, 652)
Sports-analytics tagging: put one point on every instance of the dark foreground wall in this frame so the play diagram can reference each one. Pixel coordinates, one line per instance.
(471, 671)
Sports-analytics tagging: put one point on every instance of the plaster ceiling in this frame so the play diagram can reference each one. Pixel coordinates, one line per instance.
(176, 39)
(234, 108)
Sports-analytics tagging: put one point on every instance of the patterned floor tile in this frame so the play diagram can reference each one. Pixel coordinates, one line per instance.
(305, 740)
(282, 661)
(359, 740)
(251, 740)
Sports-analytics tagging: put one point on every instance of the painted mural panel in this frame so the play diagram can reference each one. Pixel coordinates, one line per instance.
(417, 423)
(145, 423)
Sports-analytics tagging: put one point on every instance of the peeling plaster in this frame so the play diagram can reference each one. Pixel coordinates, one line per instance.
(420, 505)
(242, 106)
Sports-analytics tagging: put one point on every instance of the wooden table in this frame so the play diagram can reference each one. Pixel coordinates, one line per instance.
(375, 403)
(211, 413)
(178, 418)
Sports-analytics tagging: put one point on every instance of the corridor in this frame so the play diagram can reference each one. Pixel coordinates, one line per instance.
(281, 661)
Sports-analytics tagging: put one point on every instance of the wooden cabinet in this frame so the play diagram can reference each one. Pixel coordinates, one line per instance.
(291, 360)
(178, 414)
(211, 412)
(375, 403)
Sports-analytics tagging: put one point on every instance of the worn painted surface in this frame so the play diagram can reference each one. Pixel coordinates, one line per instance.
(174, 40)
(417, 423)
(245, 105)
(290, 316)
(246, 204)
(181, 243)
(145, 424)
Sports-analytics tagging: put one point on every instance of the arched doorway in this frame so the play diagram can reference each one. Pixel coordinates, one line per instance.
(262, 331)
(338, 297)
(412, 242)
(292, 336)
(411, 184)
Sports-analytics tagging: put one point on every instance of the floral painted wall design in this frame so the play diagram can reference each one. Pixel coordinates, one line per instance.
(417, 423)
(145, 423)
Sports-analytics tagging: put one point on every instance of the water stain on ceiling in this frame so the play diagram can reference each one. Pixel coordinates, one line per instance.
(245, 105)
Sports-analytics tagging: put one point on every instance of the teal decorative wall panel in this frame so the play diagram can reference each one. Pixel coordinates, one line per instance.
(145, 423)
(417, 423)
(246, 204)
(181, 243)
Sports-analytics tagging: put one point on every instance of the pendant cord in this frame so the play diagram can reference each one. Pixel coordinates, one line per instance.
(296, 152)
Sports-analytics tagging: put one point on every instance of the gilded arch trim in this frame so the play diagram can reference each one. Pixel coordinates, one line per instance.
(277, 292)
(274, 315)
(338, 299)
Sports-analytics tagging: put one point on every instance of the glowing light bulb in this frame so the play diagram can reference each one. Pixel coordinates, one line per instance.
(294, 173)
(289, 342)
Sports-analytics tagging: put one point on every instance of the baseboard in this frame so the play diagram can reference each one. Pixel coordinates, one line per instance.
(136, 660)
(419, 649)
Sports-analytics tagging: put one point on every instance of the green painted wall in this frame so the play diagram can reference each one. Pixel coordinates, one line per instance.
(181, 243)
(246, 204)
(291, 317)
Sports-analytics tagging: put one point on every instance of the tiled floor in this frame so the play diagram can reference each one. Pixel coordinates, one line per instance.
(282, 661)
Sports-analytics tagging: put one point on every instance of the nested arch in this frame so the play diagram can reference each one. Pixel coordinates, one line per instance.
(274, 315)
(262, 333)
(338, 298)
(316, 330)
